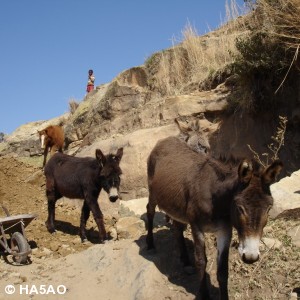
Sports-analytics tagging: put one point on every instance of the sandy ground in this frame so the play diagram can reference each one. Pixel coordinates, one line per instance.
(124, 269)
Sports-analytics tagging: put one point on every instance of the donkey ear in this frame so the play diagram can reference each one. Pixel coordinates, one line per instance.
(100, 157)
(245, 171)
(270, 174)
(194, 125)
(183, 127)
(119, 154)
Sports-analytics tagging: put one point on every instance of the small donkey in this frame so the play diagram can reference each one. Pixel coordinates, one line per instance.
(83, 178)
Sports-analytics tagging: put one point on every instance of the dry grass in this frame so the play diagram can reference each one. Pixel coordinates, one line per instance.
(281, 19)
(73, 104)
(192, 58)
(265, 40)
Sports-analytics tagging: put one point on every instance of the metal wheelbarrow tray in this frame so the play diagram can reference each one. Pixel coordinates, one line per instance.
(14, 226)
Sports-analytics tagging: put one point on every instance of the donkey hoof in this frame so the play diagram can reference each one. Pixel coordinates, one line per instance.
(84, 240)
(51, 230)
(103, 237)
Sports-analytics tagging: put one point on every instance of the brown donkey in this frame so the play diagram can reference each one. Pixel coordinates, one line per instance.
(193, 188)
(51, 138)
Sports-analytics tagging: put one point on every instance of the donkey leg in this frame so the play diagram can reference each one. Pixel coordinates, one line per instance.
(150, 216)
(51, 196)
(179, 228)
(51, 216)
(98, 216)
(45, 155)
(85, 213)
(200, 261)
(223, 243)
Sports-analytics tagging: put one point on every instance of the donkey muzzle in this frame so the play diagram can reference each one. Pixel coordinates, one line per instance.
(250, 259)
(249, 250)
(113, 194)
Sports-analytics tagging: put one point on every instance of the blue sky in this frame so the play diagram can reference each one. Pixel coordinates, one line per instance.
(47, 47)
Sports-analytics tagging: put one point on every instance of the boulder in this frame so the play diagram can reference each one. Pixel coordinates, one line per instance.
(136, 206)
(286, 194)
(130, 228)
(137, 147)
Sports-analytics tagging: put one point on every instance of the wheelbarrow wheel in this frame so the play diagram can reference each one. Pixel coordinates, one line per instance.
(19, 245)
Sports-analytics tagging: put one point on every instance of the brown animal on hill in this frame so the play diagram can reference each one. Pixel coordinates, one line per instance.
(51, 138)
(192, 134)
(82, 178)
(210, 195)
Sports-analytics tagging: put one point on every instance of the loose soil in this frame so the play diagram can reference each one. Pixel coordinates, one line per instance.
(124, 269)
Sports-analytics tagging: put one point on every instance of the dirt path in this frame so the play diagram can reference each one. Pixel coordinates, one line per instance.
(114, 270)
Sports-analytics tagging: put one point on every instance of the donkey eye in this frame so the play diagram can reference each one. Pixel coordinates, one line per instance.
(241, 210)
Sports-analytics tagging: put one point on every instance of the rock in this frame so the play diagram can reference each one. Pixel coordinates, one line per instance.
(137, 206)
(76, 240)
(113, 233)
(54, 246)
(46, 252)
(64, 251)
(293, 296)
(272, 243)
(294, 233)
(130, 227)
(286, 194)
(37, 178)
(186, 105)
(133, 77)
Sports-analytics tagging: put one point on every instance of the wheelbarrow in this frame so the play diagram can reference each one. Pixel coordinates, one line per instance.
(14, 227)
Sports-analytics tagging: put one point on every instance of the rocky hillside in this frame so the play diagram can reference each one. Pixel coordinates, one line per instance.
(134, 112)
(127, 113)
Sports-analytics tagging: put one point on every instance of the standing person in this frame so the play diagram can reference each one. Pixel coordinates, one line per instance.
(91, 80)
